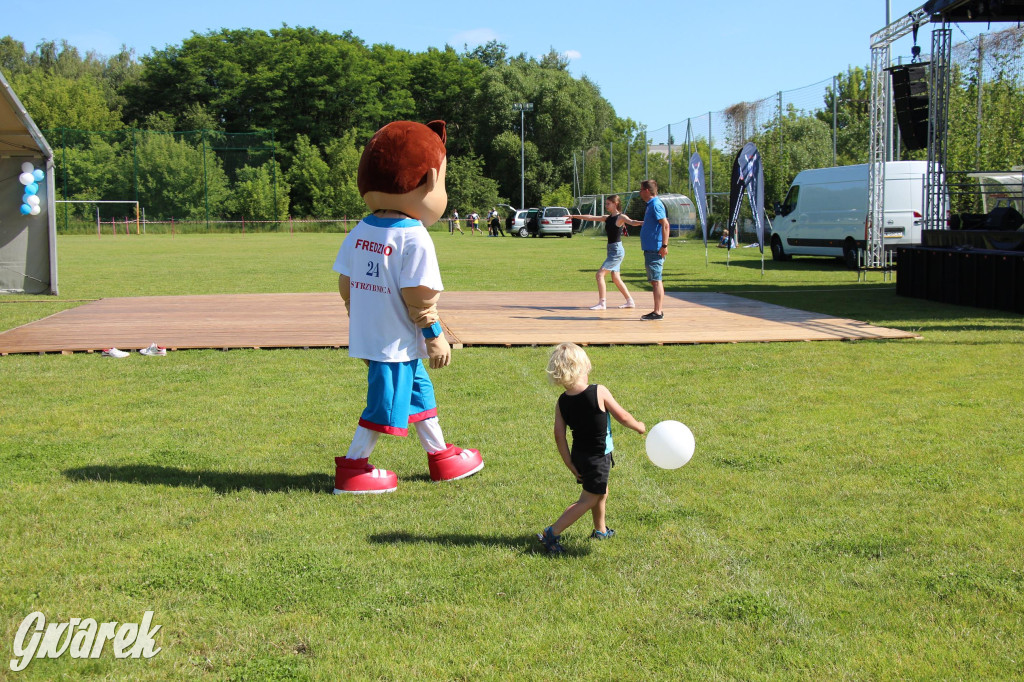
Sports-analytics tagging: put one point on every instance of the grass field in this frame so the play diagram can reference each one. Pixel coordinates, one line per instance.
(853, 510)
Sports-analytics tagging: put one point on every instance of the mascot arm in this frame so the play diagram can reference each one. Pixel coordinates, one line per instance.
(421, 303)
(343, 289)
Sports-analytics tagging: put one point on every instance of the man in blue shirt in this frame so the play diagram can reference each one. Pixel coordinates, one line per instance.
(654, 242)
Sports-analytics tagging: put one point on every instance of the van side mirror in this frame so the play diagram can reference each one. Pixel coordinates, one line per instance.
(778, 208)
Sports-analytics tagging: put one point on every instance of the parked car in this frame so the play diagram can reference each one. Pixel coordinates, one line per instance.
(519, 224)
(518, 227)
(550, 220)
(530, 222)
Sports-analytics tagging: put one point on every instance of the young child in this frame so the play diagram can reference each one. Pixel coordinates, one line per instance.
(585, 409)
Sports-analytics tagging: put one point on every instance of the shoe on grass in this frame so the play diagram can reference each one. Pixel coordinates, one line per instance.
(551, 541)
(598, 535)
(653, 316)
(359, 477)
(454, 463)
(114, 353)
(153, 350)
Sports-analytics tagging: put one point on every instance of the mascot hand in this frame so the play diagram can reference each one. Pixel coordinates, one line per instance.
(439, 352)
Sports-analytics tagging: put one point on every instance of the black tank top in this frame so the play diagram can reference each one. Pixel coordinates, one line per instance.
(611, 229)
(589, 425)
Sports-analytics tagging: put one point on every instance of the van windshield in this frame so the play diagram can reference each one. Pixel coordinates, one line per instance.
(790, 203)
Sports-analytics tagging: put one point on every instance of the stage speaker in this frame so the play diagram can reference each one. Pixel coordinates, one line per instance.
(1004, 218)
(910, 99)
(968, 221)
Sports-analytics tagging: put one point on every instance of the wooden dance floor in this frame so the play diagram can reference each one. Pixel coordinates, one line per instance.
(470, 318)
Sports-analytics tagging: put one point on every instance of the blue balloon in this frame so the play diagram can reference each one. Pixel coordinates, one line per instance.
(25, 209)
(32, 188)
(38, 174)
(24, 198)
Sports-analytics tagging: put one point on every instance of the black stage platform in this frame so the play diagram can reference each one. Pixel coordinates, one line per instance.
(983, 278)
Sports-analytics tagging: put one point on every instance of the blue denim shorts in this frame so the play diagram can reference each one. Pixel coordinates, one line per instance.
(613, 260)
(653, 263)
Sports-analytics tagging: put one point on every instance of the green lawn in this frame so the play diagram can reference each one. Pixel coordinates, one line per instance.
(853, 510)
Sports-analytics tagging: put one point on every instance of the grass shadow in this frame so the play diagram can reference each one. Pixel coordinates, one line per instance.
(218, 481)
(524, 543)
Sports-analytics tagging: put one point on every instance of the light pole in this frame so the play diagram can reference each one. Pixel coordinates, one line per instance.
(522, 108)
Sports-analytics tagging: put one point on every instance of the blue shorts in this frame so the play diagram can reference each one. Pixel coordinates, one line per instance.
(397, 393)
(613, 260)
(653, 263)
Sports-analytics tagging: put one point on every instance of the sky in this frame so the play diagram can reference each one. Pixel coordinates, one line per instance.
(657, 62)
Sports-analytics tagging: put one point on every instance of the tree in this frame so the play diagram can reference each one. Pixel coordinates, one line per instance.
(343, 156)
(13, 58)
(853, 119)
(560, 196)
(468, 188)
(56, 101)
(261, 193)
(180, 180)
(804, 141)
(310, 178)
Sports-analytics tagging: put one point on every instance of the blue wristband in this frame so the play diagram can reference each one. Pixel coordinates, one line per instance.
(433, 331)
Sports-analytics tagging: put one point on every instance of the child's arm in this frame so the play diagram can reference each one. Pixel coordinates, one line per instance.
(562, 443)
(623, 218)
(606, 400)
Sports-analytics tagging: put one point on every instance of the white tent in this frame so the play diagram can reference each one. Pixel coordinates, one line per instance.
(28, 243)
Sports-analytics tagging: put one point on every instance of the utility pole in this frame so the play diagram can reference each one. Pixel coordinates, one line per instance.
(522, 108)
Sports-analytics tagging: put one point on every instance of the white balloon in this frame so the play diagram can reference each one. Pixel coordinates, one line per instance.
(670, 444)
(26, 178)
(35, 210)
(33, 200)
(27, 167)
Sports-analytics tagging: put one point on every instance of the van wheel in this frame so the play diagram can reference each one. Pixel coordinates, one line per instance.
(850, 254)
(778, 253)
(523, 232)
(569, 235)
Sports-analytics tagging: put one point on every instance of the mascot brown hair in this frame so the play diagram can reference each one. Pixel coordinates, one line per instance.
(389, 278)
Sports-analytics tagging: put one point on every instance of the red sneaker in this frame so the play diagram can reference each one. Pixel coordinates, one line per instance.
(454, 463)
(359, 477)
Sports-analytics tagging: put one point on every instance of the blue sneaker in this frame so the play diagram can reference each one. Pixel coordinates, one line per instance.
(598, 535)
(551, 541)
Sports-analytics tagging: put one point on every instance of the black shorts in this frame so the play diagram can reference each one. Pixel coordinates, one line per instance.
(593, 470)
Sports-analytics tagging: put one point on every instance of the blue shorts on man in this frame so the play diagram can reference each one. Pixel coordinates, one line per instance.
(653, 264)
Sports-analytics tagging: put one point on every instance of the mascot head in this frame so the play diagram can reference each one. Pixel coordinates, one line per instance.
(403, 169)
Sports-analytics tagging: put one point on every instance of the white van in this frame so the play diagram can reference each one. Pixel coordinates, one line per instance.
(825, 210)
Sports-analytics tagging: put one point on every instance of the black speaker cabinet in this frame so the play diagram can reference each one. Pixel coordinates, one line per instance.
(910, 99)
(1004, 218)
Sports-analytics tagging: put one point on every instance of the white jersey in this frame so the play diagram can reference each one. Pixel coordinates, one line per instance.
(382, 256)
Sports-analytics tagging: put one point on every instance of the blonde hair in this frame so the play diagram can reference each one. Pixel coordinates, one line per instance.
(567, 365)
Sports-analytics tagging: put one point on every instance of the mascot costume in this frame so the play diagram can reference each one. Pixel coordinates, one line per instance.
(390, 281)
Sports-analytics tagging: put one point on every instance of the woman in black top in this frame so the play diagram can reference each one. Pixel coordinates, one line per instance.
(613, 223)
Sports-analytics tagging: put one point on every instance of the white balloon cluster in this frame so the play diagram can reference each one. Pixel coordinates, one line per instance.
(30, 177)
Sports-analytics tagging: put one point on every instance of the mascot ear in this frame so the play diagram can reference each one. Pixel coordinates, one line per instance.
(439, 128)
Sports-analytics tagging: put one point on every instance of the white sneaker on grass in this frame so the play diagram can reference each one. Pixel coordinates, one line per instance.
(153, 350)
(114, 353)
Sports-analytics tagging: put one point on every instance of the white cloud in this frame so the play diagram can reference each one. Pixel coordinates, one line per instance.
(572, 54)
(473, 37)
